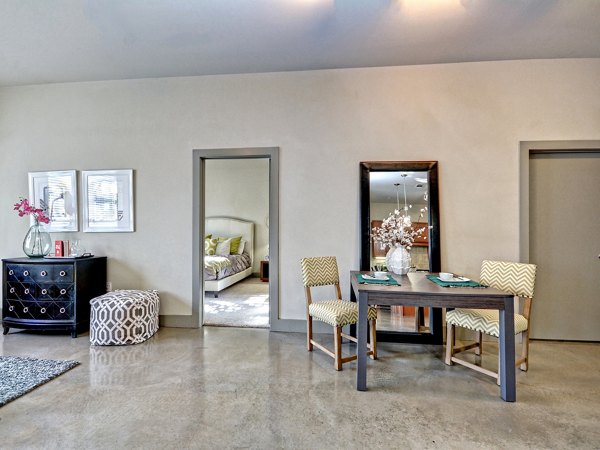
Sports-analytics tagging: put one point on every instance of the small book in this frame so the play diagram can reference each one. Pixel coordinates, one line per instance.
(58, 248)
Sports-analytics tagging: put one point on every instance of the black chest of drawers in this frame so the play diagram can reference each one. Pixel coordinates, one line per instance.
(51, 294)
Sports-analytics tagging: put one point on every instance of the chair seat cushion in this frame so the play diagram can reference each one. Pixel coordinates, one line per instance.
(484, 320)
(338, 313)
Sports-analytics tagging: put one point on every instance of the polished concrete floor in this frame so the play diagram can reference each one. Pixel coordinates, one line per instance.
(247, 388)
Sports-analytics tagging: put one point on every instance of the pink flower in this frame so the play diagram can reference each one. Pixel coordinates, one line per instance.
(24, 208)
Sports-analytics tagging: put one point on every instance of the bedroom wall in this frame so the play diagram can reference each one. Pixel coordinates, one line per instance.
(470, 117)
(240, 188)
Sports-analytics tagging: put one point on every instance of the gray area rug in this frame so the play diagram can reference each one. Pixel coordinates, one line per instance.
(245, 304)
(21, 375)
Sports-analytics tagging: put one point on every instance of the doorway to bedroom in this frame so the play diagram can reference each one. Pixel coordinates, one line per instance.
(236, 242)
(235, 223)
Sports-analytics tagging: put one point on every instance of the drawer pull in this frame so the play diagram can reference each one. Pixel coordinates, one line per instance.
(27, 291)
(26, 273)
(44, 291)
(11, 272)
(11, 308)
(12, 290)
(26, 309)
(43, 310)
(43, 273)
(62, 310)
(62, 273)
(63, 291)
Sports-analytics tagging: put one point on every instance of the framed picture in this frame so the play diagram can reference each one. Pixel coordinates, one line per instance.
(107, 200)
(55, 193)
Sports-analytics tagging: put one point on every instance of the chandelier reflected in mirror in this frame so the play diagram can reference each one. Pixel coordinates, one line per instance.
(397, 234)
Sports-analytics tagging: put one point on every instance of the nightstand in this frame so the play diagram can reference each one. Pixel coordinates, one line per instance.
(264, 271)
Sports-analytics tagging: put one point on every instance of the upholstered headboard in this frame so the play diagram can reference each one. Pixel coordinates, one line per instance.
(230, 227)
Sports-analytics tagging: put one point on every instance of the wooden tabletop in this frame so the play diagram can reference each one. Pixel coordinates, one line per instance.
(416, 289)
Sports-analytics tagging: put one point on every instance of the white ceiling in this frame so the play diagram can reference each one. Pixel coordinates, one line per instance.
(49, 41)
(383, 187)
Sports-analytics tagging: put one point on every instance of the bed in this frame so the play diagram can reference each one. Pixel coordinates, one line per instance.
(222, 271)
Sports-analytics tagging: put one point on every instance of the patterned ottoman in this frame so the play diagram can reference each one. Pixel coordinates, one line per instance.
(124, 317)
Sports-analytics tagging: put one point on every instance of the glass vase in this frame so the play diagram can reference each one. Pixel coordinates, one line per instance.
(37, 242)
(398, 260)
(76, 248)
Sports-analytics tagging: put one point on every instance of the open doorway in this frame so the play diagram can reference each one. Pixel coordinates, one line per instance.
(225, 204)
(236, 242)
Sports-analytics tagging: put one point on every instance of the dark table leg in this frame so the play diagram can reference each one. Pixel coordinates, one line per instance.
(506, 341)
(352, 299)
(361, 348)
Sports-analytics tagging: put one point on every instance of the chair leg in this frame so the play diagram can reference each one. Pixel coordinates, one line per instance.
(525, 352)
(479, 347)
(449, 343)
(338, 348)
(373, 329)
(309, 335)
(417, 321)
(498, 374)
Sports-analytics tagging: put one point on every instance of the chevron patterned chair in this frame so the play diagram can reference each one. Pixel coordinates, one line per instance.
(323, 271)
(516, 278)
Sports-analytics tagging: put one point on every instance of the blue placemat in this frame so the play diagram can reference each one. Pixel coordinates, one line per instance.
(389, 282)
(470, 283)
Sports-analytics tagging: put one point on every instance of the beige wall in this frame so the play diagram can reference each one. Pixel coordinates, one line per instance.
(469, 117)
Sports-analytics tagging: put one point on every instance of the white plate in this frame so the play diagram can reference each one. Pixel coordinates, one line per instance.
(455, 280)
(369, 277)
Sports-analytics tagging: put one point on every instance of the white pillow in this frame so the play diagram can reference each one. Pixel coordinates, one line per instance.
(223, 248)
(241, 247)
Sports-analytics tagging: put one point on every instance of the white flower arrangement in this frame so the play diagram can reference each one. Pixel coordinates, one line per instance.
(396, 230)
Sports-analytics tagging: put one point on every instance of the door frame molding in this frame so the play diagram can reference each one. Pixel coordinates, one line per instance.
(526, 149)
(198, 212)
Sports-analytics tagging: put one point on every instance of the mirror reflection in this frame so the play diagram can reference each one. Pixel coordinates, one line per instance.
(404, 196)
(401, 195)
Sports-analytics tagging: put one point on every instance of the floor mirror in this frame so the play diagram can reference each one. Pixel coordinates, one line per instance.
(384, 187)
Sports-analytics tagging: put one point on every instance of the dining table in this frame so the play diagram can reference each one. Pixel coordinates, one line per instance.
(415, 289)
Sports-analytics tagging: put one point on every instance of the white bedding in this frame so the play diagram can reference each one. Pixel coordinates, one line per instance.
(219, 267)
(241, 265)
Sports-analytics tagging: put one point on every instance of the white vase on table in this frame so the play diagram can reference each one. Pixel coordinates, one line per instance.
(398, 260)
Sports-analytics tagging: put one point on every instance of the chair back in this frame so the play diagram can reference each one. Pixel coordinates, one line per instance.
(516, 278)
(319, 271)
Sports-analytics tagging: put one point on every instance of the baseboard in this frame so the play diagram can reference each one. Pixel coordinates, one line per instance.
(282, 325)
(172, 321)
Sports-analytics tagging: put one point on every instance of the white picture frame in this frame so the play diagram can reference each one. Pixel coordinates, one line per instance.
(107, 201)
(56, 193)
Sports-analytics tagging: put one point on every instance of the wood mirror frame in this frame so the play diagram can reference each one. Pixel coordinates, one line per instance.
(435, 335)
